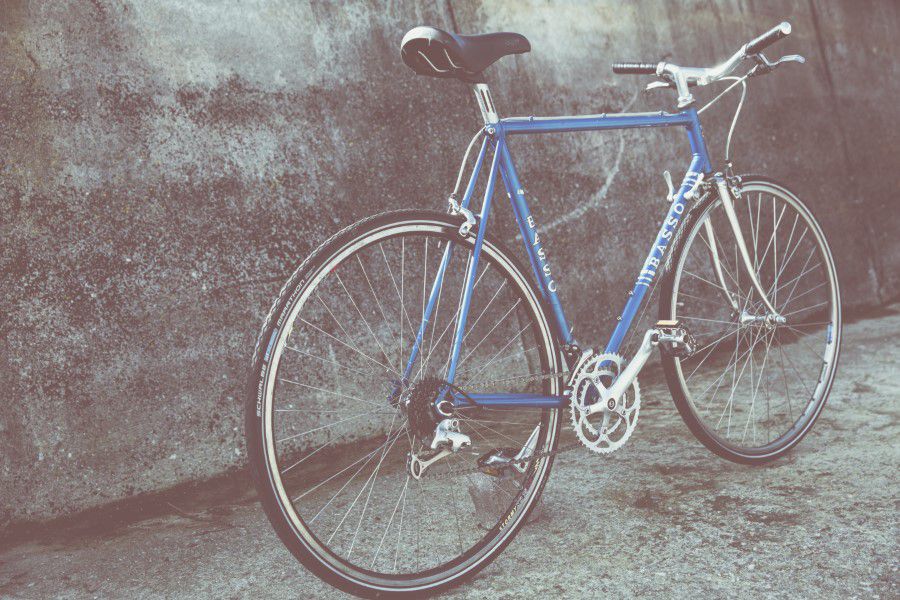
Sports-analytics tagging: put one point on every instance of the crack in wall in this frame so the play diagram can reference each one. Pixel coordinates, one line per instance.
(603, 192)
(875, 267)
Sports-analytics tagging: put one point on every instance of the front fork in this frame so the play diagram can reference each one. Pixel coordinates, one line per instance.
(721, 183)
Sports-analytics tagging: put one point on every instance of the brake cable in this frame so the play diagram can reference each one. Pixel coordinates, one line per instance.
(742, 81)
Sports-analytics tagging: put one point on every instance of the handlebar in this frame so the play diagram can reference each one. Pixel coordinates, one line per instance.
(683, 77)
(782, 30)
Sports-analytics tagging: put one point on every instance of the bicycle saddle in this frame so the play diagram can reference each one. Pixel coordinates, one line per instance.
(437, 53)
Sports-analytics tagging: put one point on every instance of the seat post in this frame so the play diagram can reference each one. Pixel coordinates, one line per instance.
(486, 104)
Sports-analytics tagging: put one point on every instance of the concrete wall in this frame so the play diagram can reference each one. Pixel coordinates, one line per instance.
(164, 164)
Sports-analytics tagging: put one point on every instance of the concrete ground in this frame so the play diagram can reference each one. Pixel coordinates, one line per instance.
(666, 519)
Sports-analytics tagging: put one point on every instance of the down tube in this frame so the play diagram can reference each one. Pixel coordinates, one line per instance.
(655, 257)
(531, 238)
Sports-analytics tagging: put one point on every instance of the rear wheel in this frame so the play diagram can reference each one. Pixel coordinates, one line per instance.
(329, 448)
(754, 387)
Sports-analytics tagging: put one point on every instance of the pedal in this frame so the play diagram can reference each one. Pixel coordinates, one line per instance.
(675, 339)
(500, 463)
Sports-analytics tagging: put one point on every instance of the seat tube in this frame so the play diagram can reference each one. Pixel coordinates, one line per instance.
(472, 269)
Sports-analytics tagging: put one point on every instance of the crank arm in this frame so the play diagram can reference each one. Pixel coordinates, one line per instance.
(624, 380)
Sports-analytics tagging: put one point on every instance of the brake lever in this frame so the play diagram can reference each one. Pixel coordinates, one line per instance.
(765, 65)
(789, 58)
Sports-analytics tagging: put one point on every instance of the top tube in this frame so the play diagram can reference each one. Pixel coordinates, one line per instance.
(515, 125)
(687, 118)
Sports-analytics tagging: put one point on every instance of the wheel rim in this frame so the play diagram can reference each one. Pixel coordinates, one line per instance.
(756, 387)
(381, 556)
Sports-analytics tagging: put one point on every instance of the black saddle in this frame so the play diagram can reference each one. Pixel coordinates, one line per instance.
(437, 53)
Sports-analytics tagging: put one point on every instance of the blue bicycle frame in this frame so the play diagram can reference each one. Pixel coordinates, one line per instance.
(496, 135)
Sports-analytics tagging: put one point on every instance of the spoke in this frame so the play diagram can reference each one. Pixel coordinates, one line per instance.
(736, 359)
(400, 533)
(800, 336)
(318, 389)
(811, 324)
(497, 324)
(377, 301)
(320, 428)
(762, 368)
(787, 393)
(712, 349)
(810, 290)
(360, 352)
(707, 320)
(328, 360)
(469, 380)
(704, 280)
(794, 312)
(365, 485)
(437, 313)
(452, 321)
(724, 263)
(344, 470)
(773, 239)
(473, 422)
(422, 322)
(367, 457)
(787, 355)
(374, 480)
(692, 297)
(484, 310)
(390, 521)
(722, 337)
(787, 260)
(803, 271)
(307, 456)
(729, 406)
(403, 312)
(718, 381)
(494, 357)
(365, 321)
(754, 230)
(810, 269)
(337, 322)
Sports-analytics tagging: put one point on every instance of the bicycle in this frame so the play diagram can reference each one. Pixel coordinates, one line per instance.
(413, 358)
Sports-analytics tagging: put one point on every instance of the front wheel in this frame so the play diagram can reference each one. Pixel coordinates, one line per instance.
(755, 384)
(329, 440)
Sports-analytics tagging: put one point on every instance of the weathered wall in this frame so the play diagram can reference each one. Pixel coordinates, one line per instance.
(164, 164)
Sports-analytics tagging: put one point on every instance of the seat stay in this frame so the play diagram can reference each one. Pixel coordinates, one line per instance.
(442, 269)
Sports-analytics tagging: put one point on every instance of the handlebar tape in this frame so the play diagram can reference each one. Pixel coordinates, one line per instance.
(634, 68)
(782, 30)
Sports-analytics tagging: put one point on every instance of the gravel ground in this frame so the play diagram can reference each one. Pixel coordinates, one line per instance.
(666, 519)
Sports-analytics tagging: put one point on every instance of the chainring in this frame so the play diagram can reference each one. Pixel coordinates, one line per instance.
(607, 430)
